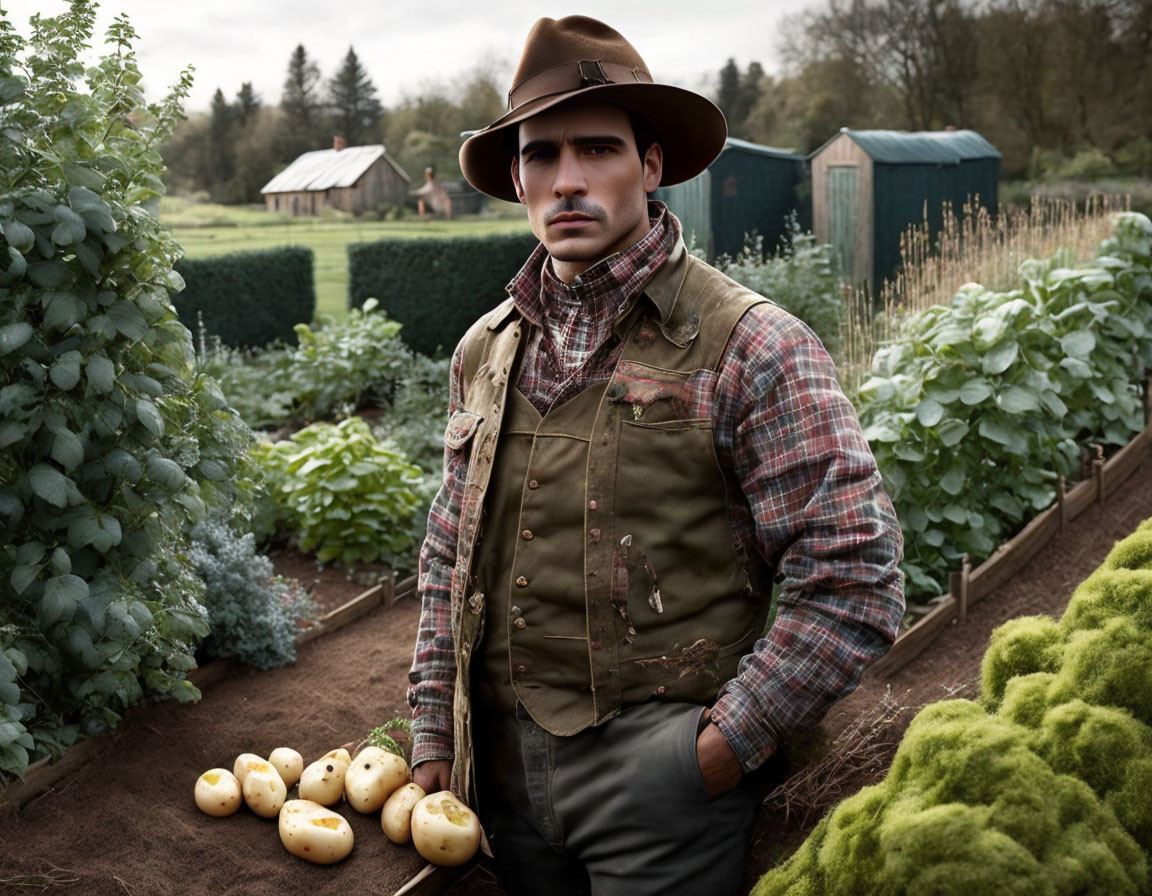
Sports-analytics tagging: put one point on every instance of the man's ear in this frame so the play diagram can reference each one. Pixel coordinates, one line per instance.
(653, 167)
(516, 179)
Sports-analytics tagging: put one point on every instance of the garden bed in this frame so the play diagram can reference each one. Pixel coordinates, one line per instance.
(126, 822)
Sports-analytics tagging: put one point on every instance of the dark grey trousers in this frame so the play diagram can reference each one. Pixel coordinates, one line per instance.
(616, 810)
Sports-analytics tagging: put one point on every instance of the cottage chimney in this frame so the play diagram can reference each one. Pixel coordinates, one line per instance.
(339, 143)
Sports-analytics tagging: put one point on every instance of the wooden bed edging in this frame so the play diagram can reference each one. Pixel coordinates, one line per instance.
(967, 586)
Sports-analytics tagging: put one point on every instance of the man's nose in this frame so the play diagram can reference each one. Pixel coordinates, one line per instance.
(569, 179)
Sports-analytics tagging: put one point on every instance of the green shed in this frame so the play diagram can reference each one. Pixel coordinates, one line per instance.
(747, 188)
(868, 187)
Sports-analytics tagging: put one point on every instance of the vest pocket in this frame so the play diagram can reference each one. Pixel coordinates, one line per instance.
(462, 426)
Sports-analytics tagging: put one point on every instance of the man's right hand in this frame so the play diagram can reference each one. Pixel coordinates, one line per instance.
(433, 776)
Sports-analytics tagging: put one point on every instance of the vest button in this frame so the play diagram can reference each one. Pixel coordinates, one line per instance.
(593, 504)
(594, 534)
(521, 582)
(533, 484)
(527, 535)
(520, 623)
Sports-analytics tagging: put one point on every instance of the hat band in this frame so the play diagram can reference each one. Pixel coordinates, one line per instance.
(573, 76)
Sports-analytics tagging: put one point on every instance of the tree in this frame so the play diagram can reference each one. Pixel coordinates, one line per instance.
(302, 123)
(221, 153)
(728, 92)
(247, 103)
(112, 446)
(353, 104)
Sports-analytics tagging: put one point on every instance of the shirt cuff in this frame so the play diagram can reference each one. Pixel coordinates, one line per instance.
(744, 724)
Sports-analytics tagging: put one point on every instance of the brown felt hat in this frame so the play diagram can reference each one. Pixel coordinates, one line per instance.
(578, 58)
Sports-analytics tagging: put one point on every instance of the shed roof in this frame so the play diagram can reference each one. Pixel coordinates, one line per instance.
(324, 169)
(919, 147)
(760, 149)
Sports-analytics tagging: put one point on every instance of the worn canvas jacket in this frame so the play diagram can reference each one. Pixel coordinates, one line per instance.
(707, 305)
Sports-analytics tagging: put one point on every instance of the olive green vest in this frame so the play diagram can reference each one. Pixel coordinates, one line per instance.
(607, 562)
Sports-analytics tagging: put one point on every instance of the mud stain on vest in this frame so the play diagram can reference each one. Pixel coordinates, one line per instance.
(635, 386)
(698, 657)
(633, 577)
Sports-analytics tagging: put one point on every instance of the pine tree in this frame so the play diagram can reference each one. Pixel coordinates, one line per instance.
(352, 100)
(728, 95)
(247, 103)
(302, 125)
(221, 152)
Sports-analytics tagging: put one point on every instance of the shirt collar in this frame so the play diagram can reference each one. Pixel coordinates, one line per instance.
(620, 277)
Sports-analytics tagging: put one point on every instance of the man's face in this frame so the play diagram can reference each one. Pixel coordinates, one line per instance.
(585, 186)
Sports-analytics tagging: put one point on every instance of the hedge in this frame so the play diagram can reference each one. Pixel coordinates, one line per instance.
(436, 288)
(248, 298)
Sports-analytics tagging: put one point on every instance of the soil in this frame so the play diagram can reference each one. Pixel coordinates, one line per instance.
(126, 823)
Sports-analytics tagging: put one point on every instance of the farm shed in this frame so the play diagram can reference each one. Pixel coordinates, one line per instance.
(747, 188)
(350, 178)
(868, 187)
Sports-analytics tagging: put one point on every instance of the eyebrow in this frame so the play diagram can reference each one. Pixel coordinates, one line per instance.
(538, 145)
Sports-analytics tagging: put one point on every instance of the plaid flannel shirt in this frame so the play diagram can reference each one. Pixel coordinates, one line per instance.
(804, 493)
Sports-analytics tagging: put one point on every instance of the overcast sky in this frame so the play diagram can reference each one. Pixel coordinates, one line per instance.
(406, 44)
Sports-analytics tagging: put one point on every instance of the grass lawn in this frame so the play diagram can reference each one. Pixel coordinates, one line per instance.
(204, 230)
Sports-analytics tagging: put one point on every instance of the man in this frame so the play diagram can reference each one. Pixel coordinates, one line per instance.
(637, 446)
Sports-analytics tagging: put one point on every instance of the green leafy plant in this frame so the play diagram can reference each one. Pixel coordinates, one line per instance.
(253, 614)
(345, 494)
(974, 408)
(111, 446)
(799, 278)
(384, 736)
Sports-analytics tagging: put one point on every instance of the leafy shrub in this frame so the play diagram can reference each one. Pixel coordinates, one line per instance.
(110, 444)
(248, 299)
(973, 409)
(253, 614)
(419, 413)
(339, 367)
(799, 279)
(436, 288)
(344, 494)
(349, 364)
(1043, 789)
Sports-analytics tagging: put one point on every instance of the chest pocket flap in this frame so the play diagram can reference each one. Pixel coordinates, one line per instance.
(461, 427)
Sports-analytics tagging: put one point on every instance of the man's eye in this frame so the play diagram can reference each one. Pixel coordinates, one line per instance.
(599, 150)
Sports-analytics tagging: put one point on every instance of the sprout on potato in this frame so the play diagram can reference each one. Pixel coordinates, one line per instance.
(217, 792)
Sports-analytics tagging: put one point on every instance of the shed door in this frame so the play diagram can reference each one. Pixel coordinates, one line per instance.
(842, 217)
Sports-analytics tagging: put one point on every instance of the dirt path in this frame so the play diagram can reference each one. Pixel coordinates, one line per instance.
(126, 823)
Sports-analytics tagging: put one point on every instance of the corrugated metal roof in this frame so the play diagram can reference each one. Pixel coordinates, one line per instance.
(912, 147)
(324, 169)
(760, 149)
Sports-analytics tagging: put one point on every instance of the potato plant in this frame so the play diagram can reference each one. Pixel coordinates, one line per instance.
(1041, 787)
(110, 445)
(975, 407)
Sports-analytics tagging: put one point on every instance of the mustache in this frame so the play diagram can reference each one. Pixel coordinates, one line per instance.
(579, 206)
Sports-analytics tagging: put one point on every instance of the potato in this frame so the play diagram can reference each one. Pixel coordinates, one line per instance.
(264, 791)
(372, 777)
(309, 831)
(218, 792)
(323, 781)
(243, 762)
(396, 818)
(444, 830)
(288, 762)
(339, 754)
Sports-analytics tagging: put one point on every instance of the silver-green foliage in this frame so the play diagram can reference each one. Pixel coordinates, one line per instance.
(110, 445)
(253, 612)
(799, 278)
(973, 409)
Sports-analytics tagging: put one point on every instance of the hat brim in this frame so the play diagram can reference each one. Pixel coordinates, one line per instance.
(689, 128)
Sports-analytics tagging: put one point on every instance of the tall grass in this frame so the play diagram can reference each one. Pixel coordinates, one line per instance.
(972, 247)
